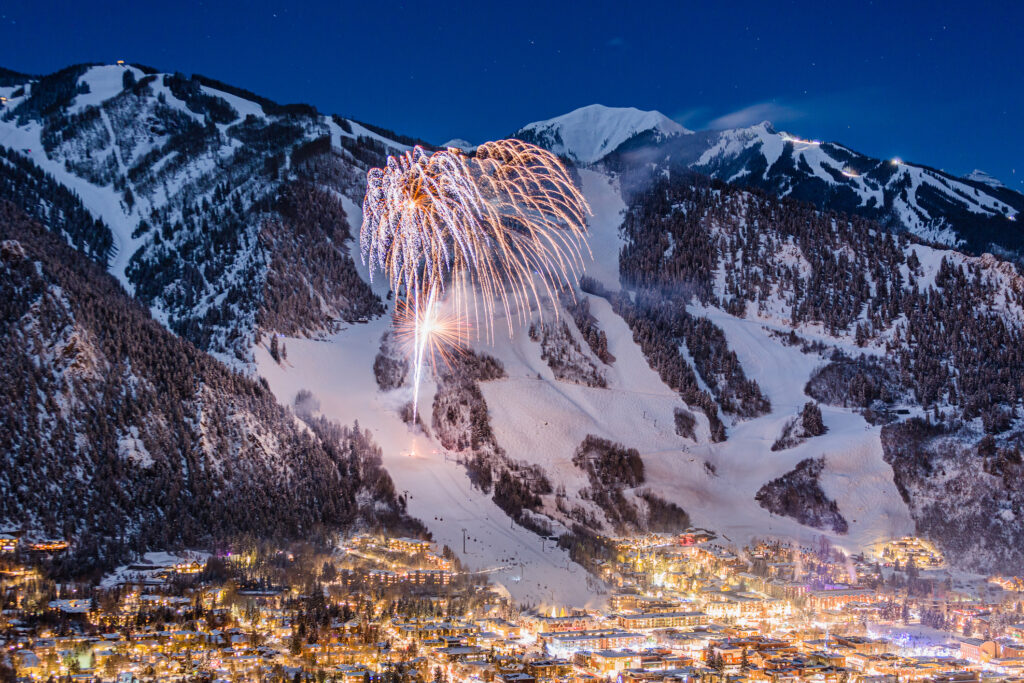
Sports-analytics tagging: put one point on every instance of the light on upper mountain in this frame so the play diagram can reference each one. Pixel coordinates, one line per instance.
(896, 161)
(799, 141)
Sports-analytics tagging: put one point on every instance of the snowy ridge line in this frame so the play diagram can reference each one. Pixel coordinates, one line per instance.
(969, 212)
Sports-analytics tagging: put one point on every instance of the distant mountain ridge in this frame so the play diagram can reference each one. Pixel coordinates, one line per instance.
(976, 213)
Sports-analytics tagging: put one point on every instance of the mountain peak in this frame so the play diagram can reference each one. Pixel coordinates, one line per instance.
(979, 176)
(459, 143)
(592, 132)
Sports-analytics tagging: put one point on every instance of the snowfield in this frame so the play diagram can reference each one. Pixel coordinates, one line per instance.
(602, 193)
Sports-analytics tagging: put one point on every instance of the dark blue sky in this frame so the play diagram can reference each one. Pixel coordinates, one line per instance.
(935, 82)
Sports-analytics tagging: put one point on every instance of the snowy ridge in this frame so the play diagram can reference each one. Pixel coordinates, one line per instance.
(732, 143)
(187, 173)
(459, 143)
(201, 197)
(929, 203)
(590, 133)
(979, 176)
(837, 165)
(973, 213)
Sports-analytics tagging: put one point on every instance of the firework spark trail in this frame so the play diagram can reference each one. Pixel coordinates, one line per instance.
(500, 230)
(429, 334)
(423, 334)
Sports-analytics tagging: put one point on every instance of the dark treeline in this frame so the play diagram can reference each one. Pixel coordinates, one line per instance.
(611, 467)
(461, 423)
(312, 283)
(586, 323)
(798, 494)
(964, 492)
(50, 94)
(607, 462)
(564, 355)
(798, 429)
(47, 201)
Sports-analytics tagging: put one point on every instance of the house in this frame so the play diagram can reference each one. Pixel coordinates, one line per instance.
(27, 663)
(8, 543)
(461, 653)
(863, 645)
(50, 545)
(958, 676)
(412, 546)
(1008, 666)
(590, 641)
(541, 624)
(613, 661)
(504, 628)
(432, 577)
(548, 669)
(835, 598)
(651, 620)
(515, 677)
(977, 650)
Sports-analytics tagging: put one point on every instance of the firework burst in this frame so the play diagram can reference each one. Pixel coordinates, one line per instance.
(430, 334)
(499, 231)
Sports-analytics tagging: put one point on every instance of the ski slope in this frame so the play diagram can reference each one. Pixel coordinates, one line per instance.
(541, 420)
(339, 372)
(602, 193)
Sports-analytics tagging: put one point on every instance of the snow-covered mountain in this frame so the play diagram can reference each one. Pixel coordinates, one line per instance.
(590, 133)
(975, 213)
(899, 194)
(207, 195)
(726, 350)
(459, 143)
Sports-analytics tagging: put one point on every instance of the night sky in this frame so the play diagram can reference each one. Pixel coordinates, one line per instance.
(939, 83)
